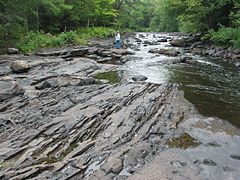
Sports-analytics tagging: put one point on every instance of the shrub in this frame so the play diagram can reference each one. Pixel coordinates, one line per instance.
(86, 33)
(35, 40)
(226, 36)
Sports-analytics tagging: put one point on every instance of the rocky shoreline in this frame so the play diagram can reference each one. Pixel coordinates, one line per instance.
(58, 121)
(196, 46)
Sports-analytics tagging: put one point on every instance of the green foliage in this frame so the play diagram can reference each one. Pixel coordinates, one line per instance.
(20, 17)
(226, 36)
(136, 15)
(86, 33)
(35, 40)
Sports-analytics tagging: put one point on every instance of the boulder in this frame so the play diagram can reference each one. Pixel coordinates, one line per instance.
(20, 66)
(168, 52)
(139, 78)
(13, 51)
(9, 89)
(179, 42)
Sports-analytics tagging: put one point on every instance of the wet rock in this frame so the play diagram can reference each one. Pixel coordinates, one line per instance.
(125, 59)
(185, 58)
(20, 66)
(13, 51)
(139, 78)
(9, 89)
(186, 41)
(162, 40)
(168, 52)
(179, 42)
(136, 49)
(138, 40)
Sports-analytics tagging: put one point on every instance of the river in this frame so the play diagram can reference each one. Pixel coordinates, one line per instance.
(212, 85)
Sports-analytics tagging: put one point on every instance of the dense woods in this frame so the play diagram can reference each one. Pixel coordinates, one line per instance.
(219, 20)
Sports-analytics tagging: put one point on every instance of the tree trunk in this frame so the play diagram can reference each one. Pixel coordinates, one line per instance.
(37, 16)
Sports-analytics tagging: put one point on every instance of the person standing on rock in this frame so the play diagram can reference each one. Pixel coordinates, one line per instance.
(118, 38)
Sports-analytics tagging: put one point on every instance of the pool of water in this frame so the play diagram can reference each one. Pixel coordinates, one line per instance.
(213, 86)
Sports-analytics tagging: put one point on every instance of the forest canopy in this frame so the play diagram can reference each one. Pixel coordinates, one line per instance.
(220, 19)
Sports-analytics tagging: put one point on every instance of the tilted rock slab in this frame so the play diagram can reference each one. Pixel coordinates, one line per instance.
(87, 132)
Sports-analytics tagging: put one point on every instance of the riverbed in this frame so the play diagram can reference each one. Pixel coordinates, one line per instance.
(212, 85)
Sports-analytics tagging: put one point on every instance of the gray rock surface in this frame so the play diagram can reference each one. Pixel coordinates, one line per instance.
(9, 89)
(20, 66)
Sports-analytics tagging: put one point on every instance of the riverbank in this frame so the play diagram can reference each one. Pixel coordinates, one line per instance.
(60, 122)
(204, 48)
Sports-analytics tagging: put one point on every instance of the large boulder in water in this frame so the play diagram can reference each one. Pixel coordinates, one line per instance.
(20, 66)
(179, 42)
(9, 89)
(168, 52)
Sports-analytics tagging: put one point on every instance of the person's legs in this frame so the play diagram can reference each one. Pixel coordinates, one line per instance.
(118, 44)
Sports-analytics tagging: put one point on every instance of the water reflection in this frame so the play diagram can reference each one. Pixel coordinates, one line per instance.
(212, 89)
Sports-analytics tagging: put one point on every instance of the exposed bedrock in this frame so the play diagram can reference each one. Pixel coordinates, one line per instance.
(75, 130)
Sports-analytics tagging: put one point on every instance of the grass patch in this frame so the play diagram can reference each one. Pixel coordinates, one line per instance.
(111, 76)
(183, 142)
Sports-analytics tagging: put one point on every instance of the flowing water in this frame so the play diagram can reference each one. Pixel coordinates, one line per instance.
(213, 86)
